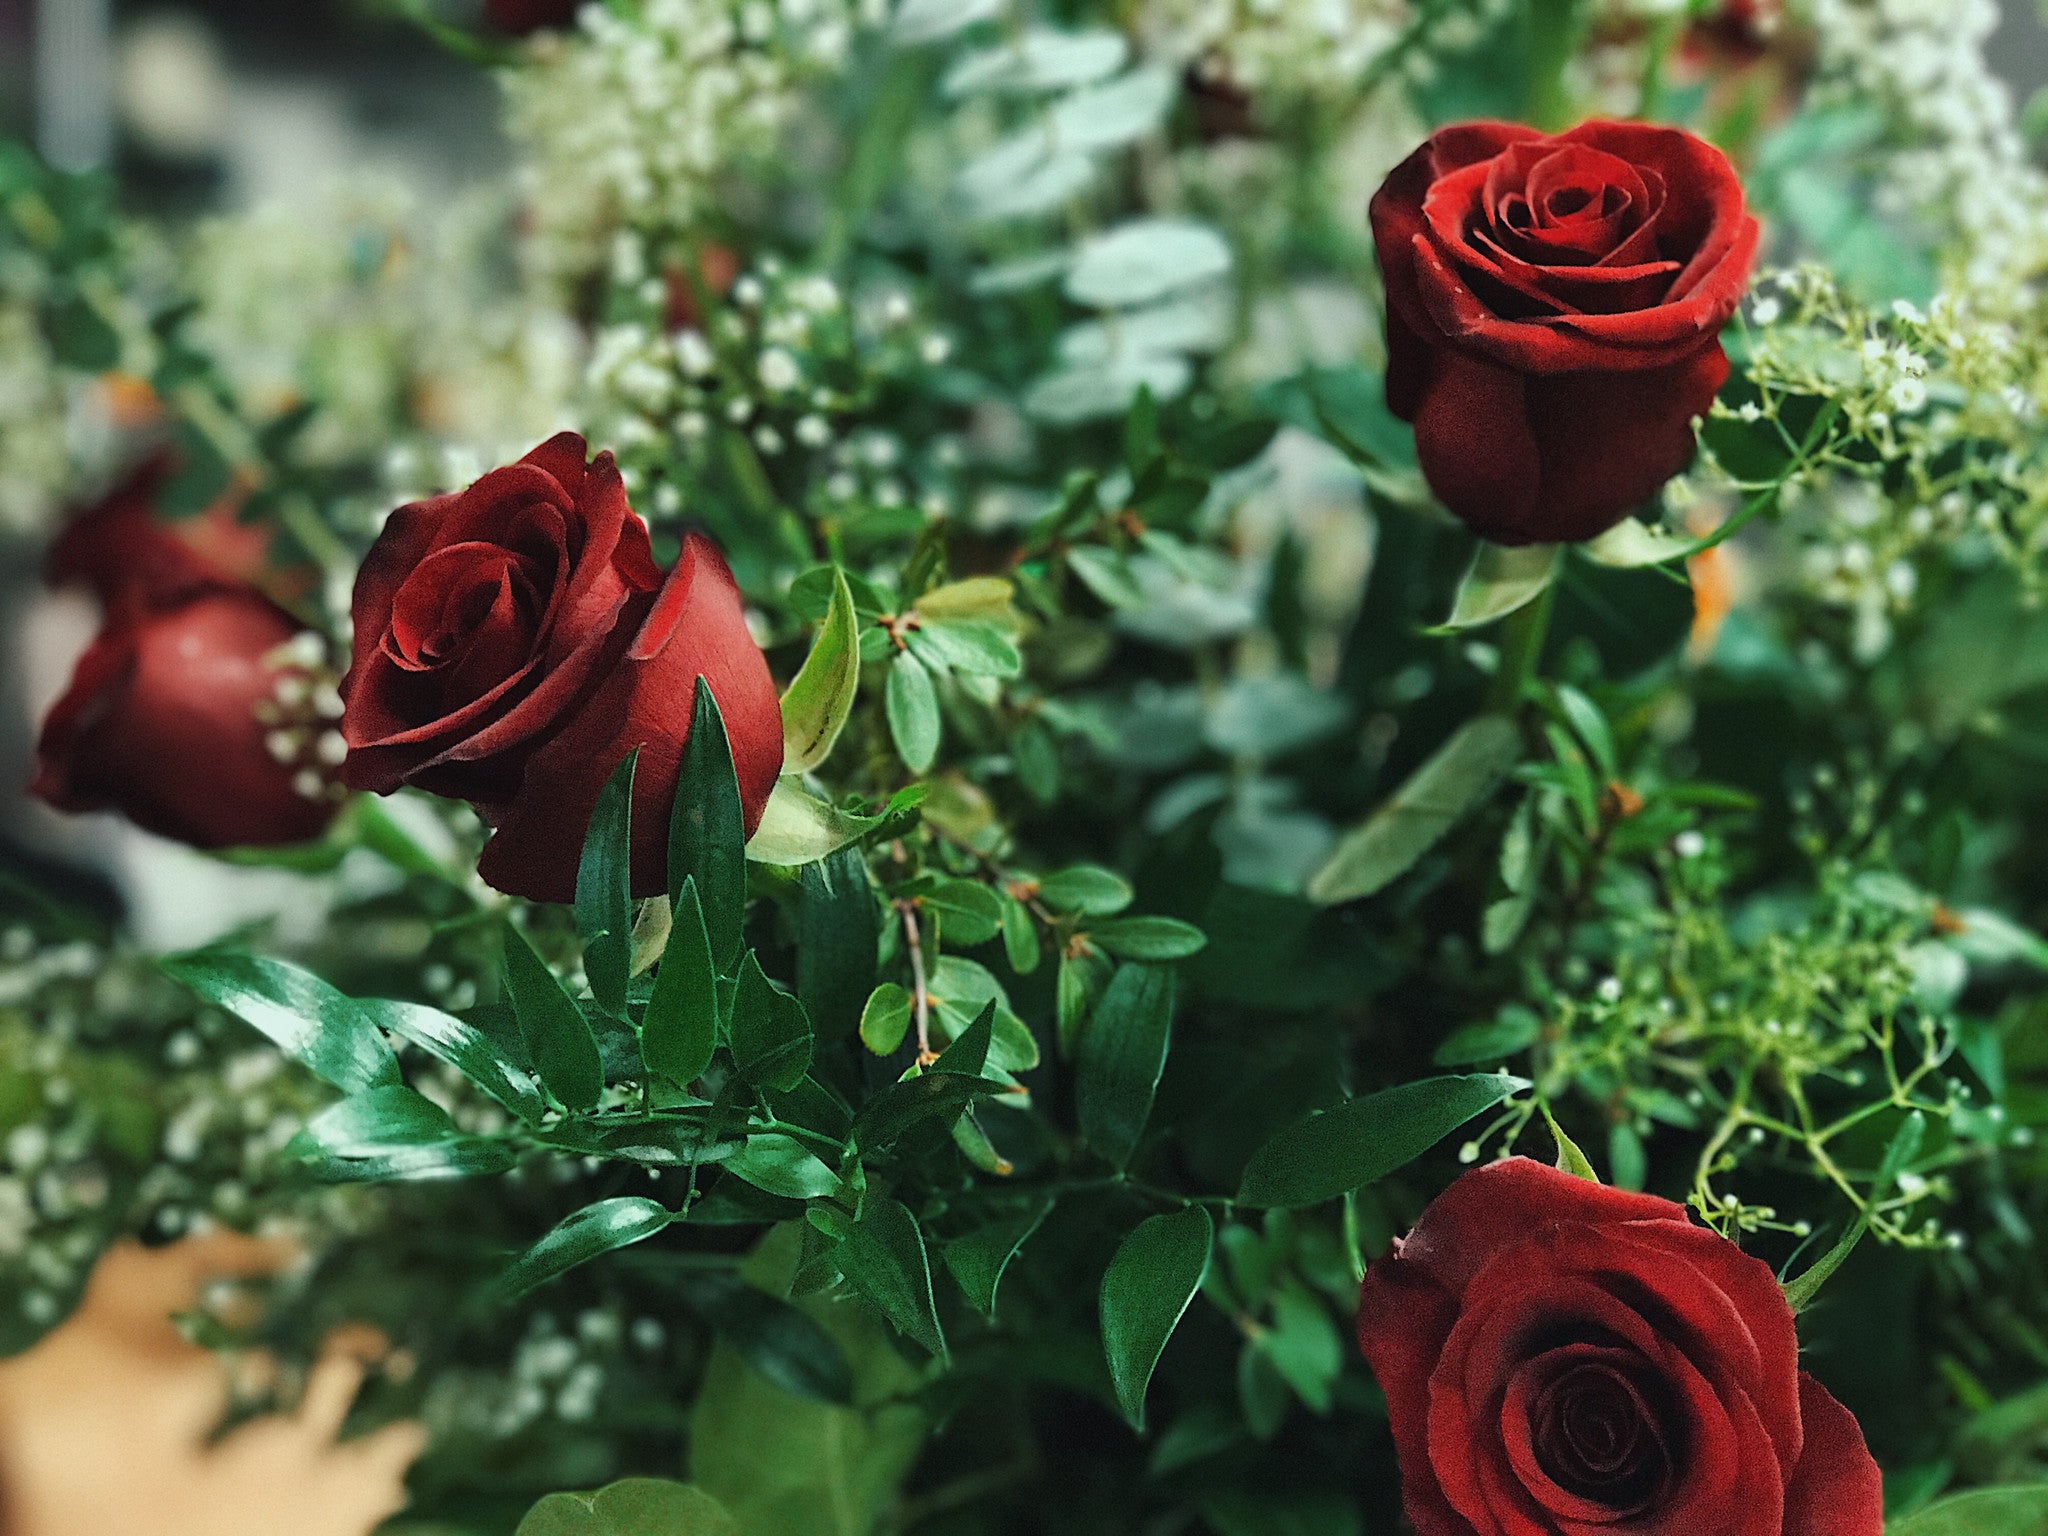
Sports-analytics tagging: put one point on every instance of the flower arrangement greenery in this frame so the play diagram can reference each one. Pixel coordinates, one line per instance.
(1231, 767)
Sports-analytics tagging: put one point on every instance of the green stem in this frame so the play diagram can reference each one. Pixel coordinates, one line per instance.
(1555, 28)
(1522, 635)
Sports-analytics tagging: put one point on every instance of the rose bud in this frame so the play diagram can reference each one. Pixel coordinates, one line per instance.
(514, 641)
(1554, 308)
(520, 17)
(1559, 1356)
(196, 710)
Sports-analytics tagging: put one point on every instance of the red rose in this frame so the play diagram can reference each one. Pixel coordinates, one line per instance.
(1560, 1357)
(522, 16)
(196, 710)
(1554, 307)
(515, 641)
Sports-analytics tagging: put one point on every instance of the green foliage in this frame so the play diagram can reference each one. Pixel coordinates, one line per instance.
(1150, 1282)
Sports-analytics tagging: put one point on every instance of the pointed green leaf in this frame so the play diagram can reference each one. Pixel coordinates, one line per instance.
(707, 838)
(980, 1259)
(679, 1031)
(838, 925)
(302, 1015)
(465, 1048)
(782, 1165)
(604, 889)
(1436, 797)
(581, 1236)
(771, 1037)
(816, 707)
(884, 1259)
(1569, 1158)
(558, 1038)
(1363, 1140)
(1122, 1053)
(785, 1345)
(391, 1134)
(1150, 1282)
(913, 709)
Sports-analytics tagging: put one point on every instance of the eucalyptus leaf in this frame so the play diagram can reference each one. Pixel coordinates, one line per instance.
(1089, 392)
(1361, 1141)
(1147, 1288)
(1038, 59)
(931, 21)
(1024, 175)
(1114, 113)
(1144, 260)
(1436, 797)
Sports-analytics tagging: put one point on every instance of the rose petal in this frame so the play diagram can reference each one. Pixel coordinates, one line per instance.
(1836, 1489)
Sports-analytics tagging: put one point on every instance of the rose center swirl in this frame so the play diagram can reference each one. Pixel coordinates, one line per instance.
(1602, 1429)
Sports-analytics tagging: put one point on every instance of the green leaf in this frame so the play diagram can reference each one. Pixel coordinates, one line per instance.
(1436, 797)
(886, 1018)
(1122, 1053)
(465, 1048)
(638, 1506)
(1082, 977)
(1569, 1158)
(968, 1054)
(679, 1031)
(884, 1259)
(1038, 59)
(1363, 1140)
(970, 913)
(581, 1236)
(771, 1035)
(558, 1037)
(1148, 938)
(1629, 545)
(302, 1015)
(1501, 580)
(392, 1134)
(1144, 260)
(798, 828)
(782, 1165)
(981, 1258)
(965, 645)
(816, 707)
(604, 890)
(2016, 1511)
(838, 923)
(1086, 888)
(959, 990)
(899, 1108)
(1150, 1282)
(1899, 1152)
(913, 709)
(782, 1343)
(1020, 937)
(707, 838)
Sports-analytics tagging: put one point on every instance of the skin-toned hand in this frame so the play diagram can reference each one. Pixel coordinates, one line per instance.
(103, 1425)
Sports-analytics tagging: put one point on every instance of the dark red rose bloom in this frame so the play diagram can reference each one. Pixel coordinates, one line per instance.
(195, 712)
(1560, 1357)
(520, 17)
(1554, 307)
(514, 641)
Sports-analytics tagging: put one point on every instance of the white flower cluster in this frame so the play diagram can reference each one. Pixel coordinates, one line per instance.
(1287, 47)
(34, 424)
(1954, 153)
(634, 118)
(1942, 407)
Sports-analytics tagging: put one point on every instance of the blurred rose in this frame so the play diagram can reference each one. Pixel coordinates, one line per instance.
(514, 641)
(196, 710)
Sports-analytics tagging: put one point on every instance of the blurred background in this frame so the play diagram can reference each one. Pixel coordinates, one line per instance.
(220, 106)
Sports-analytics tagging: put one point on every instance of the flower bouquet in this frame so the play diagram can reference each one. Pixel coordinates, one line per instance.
(1233, 766)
